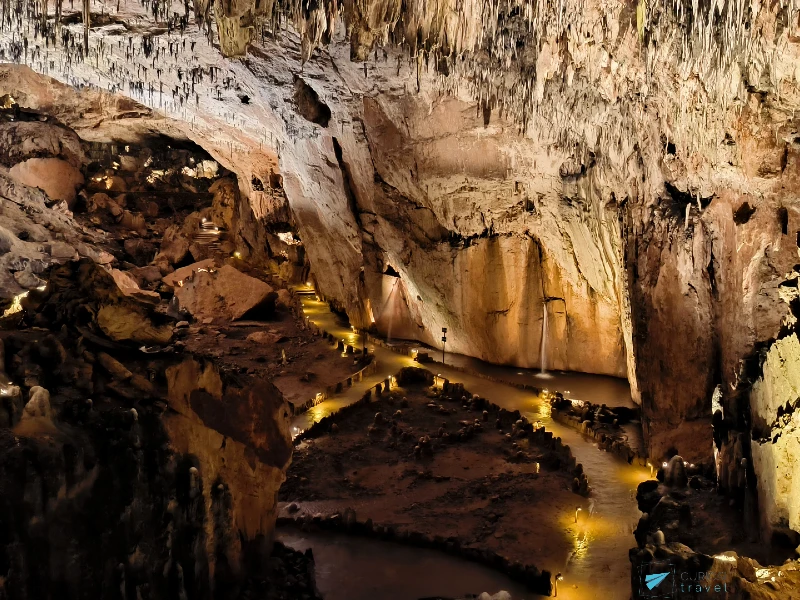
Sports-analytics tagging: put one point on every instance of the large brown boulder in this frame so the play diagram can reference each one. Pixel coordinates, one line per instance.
(130, 287)
(23, 140)
(224, 293)
(174, 246)
(54, 176)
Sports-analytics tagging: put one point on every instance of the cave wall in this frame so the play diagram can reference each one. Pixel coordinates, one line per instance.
(482, 244)
(563, 141)
(705, 291)
(776, 447)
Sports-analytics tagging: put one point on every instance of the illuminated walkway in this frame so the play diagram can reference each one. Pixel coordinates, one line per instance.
(388, 363)
(599, 566)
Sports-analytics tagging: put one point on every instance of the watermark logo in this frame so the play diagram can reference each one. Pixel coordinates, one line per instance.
(657, 580)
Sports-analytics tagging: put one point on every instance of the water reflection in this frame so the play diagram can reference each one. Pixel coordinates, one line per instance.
(363, 569)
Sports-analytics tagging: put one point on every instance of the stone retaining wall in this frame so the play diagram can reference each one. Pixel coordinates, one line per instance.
(604, 441)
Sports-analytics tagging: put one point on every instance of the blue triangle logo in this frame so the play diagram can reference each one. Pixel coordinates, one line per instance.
(654, 580)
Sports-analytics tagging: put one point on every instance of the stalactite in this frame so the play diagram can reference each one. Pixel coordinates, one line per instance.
(86, 25)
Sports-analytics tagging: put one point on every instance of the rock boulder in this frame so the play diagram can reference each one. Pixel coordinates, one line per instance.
(225, 293)
(56, 177)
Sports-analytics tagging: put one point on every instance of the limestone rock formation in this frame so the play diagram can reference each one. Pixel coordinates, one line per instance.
(223, 293)
(608, 187)
(775, 411)
(55, 177)
(33, 238)
(239, 435)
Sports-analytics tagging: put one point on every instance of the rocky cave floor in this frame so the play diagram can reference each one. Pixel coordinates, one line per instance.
(166, 185)
(438, 465)
(90, 326)
(146, 206)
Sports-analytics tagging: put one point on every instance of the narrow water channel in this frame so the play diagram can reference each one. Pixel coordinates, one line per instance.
(352, 568)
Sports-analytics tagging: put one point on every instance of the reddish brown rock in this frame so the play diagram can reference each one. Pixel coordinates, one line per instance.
(263, 337)
(224, 293)
(56, 177)
(128, 285)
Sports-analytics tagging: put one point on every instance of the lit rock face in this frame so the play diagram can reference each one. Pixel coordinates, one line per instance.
(706, 293)
(223, 293)
(57, 178)
(562, 170)
(483, 246)
(775, 412)
(775, 456)
(239, 435)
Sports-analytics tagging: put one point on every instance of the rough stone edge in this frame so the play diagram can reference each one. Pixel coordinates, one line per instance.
(537, 581)
(620, 448)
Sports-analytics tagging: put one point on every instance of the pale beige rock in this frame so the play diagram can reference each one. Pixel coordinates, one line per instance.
(225, 293)
(101, 257)
(38, 404)
(23, 140)
(28, 280)
(130, 287)
(54, 176)
(775, 459)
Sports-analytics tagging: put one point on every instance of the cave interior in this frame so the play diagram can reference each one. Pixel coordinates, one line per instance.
(390, 300)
